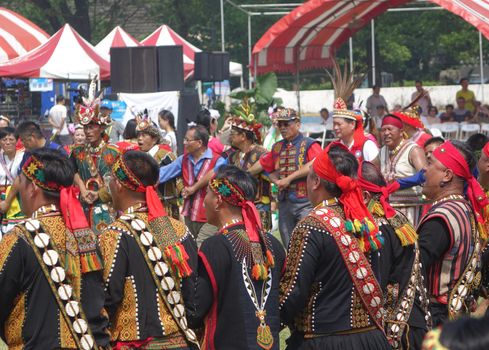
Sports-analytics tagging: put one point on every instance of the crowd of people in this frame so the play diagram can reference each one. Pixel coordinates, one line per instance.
(464, 109)
(125, 245)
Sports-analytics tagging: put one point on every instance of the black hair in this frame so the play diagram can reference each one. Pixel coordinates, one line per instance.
(168, 116)
(323, 110)
(143, 166)
(375, 86)
(8, 130)
(60, 98)
(449, 106)
(29, 128)
(436, 139)
(477, 142)
(461, 80)
(466, 333)
(433, 107)
(130, 130)
(250, 135)
(345, 163)
(418, 81)
(242, 179)
(200, 133)
(204, 119)
(57, 168)
(466, 153)
(372, 174)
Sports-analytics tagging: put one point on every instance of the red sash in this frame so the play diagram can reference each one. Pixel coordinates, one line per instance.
(356, 263)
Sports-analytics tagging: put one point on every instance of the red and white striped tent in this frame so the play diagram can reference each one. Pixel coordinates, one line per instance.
(118, 37)
(309, 35)
(18, 35)
(164, 36)
(66, 55)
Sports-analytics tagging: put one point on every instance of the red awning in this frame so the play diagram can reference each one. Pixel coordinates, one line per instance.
(309, 36)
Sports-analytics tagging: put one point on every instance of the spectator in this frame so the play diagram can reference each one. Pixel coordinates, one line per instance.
(447, 116)
(57, 119)
(481, 114)
(4, 121)
(424, 100)
(115, 129)
(397, 108)
(432, 117)
(461, 114)
(208, 119)
(375, 101)
(327, 120)
(467, 94)
(381, 112)
(166, 119)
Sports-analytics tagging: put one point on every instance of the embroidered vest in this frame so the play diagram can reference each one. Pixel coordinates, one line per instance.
(250, 158)
(289, 157)
(444, 273)
(194, 206)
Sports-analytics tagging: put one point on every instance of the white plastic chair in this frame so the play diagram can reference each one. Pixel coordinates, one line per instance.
(466, 130)
(450, 131)
(485, 129)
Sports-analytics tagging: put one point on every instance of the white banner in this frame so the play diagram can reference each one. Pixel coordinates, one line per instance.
(153, 102)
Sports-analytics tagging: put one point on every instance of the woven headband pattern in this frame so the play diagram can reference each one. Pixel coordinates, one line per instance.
(33, 169)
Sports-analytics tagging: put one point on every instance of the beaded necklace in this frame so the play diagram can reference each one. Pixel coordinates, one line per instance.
(447, 198)
(226, 225)
(51, 209)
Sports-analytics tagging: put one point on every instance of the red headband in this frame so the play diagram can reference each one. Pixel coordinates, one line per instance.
(450, 156)
(384, 193)
(235, 196)
(352, 200)
(392, 120)
(406, 119)
(127, 178)
(486, 149)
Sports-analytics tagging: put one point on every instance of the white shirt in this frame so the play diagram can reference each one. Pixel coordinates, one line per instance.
(370, 150)
(10, 165)
(172, 140)
(58, 114)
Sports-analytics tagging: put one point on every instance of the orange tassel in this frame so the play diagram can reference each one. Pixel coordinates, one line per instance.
(270, 259)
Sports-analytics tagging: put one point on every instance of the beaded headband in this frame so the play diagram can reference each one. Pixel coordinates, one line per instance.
(33, 169)
(126, 177)
(230, 193)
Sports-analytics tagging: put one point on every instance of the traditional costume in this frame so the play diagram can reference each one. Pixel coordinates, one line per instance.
(50, 276)
(238, 282)
(411, 116)
(246, 121)
(288, 157)
(92, 164)
(395, 164)
(450, 241)
(407, 316)
(148, 258)
(170, 190)
(329, 294)
(344, 85)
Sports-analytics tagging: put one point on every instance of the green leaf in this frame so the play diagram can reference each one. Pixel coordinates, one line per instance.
(266, 86)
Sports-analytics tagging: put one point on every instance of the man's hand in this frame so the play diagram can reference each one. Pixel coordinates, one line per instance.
(3, 207)
(282, 184)
(188, 191)
(89, 197)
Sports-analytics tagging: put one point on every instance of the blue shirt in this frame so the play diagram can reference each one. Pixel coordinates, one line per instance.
(174, 169)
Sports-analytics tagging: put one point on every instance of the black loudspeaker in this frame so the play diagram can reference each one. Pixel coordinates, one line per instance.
(189, 106)
(133, 69)
(170, 68)
(211, 66)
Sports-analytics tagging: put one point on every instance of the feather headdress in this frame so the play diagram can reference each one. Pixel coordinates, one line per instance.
(245, 119)
(89, 112)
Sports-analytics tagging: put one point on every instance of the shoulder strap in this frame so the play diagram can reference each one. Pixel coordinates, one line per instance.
(397, 318)
(69, 304)
(470, 278)
(168, 288)
(358, 267)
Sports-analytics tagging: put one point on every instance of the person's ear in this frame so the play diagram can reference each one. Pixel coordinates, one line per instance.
(448, 176)
(366, 197)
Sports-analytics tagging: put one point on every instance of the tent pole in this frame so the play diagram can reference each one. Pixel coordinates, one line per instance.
(297, 87)
(372, 33)
(350, 41)
(249, 52)
(222, 26)
(481, 60)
